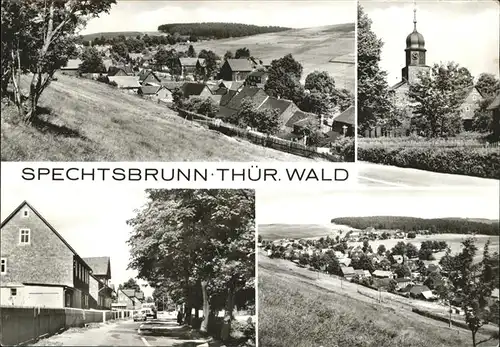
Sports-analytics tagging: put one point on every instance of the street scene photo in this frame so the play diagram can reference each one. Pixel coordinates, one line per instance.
(118, 80)
(135, 267)
(428, 93)
(378, 267)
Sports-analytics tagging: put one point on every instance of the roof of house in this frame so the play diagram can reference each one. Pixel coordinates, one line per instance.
(191, 61)
(346, 117)
(101, 266)
(226, 98)
(258, 73)
(129, 292)
(143, 76)
(242, 65)
(495, 104)
(171, 85)
(257, 95)
(347, 270)
(193, 88)
(25, 203)
(281, 104)
(149, 90)
(381, 273)
(125, 81)
(225, 112)
(297, 117)
(72, 64)
(231, 85)
(403, 280)
(125, 68)
(419, 289)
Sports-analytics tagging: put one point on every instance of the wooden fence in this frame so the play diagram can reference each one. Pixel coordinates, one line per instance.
(260, 138)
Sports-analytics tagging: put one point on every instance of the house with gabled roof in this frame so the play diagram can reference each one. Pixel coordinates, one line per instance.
(235, 69)
(348, 272)
(72, 67)
(156, 93)
(188, 65)
(125, 82)
(124, 301)
(344, 122)
(149, 78)
(195, 89)
(38, 266)
(101, 273)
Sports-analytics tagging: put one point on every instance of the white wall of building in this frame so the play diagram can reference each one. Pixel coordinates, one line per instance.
(32, 296)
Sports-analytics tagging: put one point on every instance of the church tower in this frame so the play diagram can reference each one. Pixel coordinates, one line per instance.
(415, 53)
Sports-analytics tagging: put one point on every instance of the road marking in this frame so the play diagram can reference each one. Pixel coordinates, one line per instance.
(146, 343)
(383, 182)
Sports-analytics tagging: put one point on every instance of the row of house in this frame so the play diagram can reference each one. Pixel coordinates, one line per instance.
(40, 269)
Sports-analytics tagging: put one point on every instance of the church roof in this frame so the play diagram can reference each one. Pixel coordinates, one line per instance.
(415, 41)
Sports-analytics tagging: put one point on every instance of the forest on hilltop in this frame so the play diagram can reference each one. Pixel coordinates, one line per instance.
(217, 30)
(437, 225)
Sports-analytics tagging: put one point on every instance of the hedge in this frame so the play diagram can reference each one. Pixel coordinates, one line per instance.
(461, 161)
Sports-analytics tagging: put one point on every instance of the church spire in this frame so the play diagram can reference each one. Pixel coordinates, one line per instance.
(414, 15)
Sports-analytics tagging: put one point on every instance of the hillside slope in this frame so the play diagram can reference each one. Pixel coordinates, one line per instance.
(92, 121)
(315, 48)
(298, 308)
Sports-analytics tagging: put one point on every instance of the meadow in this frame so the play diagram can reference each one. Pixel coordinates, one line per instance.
(84, 120)
(300, 231)
(296, 308)
(329, 48)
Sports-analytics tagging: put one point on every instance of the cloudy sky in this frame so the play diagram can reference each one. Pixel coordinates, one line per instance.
(148, 15)
(310, 206)
(466, 32)
(92, 218)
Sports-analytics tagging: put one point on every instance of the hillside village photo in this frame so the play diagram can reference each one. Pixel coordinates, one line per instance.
(380, 278)
(203, 90)
(95, 277)
(428, 89)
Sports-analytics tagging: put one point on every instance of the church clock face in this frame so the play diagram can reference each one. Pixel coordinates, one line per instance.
(414, 56)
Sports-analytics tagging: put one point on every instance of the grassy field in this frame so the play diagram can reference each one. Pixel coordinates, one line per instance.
(300, 231)
(298, 309)
(86, 120)
(320, 48)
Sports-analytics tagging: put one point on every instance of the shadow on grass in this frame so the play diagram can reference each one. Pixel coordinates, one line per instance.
(45, 126)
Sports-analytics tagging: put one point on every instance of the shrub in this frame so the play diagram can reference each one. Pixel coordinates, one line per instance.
(344, 146)
(478, 162)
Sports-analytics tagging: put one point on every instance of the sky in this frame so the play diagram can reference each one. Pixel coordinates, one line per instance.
(148, 15)
(92, 219)
(466, 32)
(310, 206)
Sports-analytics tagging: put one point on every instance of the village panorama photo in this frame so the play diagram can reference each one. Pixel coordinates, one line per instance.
(120, 80)
(154, 267)
(378, 267)
(428, 92)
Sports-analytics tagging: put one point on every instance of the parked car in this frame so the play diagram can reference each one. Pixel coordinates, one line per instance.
(140, 316)
(149, 312)
(152, 307)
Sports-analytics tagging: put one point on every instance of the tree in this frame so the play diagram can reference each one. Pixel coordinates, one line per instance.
(366, 247)
(399, 248)
(131, 283)
(242, 53)
(402, 271)
(483, 118)
(437, 99)
(191, 53)
(91, 61)
(210, 66)
(364, 263)
(200, 245)
(320, 81)
(38, 38)
(121, 50)
(373, 95)
(434, 280)
(473, 284)
(228, 55)
(488, 85)
(411, 250)
(411, 235)
(265, 120)
(205, 106)
(177, 97)
(381, 250)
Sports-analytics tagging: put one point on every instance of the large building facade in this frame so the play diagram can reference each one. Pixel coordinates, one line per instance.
(38, 267)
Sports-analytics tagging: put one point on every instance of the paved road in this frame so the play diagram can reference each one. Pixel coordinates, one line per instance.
(120, 333)
(392, 176)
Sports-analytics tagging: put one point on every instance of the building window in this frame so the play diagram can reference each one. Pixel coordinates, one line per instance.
(3, 266)
(474, 97)
(13, 291)
(467, 108)
(26, 213)
(24, 236)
